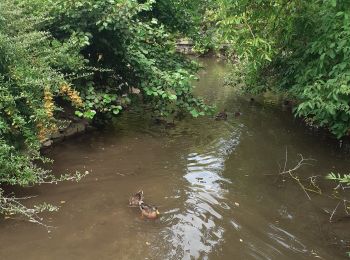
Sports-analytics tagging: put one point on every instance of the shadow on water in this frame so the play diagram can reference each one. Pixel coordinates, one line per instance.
(211, 180)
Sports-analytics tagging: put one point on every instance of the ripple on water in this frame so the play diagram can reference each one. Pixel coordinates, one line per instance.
(286, 239)
(197, 229)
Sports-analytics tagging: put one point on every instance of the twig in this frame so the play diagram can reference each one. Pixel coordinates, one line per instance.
(301, 162)
(313, 185)
(346, 206)
(335, 209)
(285, 161)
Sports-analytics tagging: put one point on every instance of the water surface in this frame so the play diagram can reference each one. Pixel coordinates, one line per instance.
(214, 182)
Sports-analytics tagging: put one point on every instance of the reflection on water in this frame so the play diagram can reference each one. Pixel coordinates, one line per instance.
(211, 180)
(195, 231)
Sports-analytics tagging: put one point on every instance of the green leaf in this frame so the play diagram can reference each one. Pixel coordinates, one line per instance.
(78, 113)
(194, 113)
(172, 97)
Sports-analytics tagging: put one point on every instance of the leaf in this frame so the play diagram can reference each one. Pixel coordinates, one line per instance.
(172, 97)
(194, 113)
(90, 114)
(78, 113)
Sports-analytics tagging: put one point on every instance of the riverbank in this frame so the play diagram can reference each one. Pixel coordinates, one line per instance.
(215, 182)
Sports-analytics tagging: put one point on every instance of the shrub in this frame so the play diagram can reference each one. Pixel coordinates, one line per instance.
(298, 47)
(90, 53)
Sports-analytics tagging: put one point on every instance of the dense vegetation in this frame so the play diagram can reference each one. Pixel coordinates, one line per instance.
(301, 48)
(91, 55)
(297, 49)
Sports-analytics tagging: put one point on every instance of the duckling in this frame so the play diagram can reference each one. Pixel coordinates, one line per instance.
(149, 211)
(136, 199)
(167, 124)
(287, 105)
(221, 116)
(287, 102)
(238, 113)
(159, 121)
(170, 125)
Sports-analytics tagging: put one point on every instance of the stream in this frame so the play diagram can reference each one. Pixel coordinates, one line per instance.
(216, 185)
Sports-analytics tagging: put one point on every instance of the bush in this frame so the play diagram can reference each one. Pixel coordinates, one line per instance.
(90, 53)
(298, 47)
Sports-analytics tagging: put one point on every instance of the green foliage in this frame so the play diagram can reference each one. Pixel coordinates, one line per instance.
(190, 19)
(91, 53)
(342, 179)
(103, 102)
(299, 47)
(28, 80)
(244, 24)
(180, 16)
(17, 168)
(135, 50)
(323, 83)
(27, 67)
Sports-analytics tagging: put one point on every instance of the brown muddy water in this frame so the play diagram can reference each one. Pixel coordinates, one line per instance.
(213, 181)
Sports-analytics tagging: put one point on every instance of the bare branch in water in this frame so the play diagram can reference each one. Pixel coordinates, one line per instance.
(286, 160)
(11, 205)
(291, 172)
(301, 162)
(314, 188)
(333, 212)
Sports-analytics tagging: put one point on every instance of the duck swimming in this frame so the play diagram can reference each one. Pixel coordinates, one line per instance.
(238, 113)
(136, 199)
(221, 116)
(149, 211)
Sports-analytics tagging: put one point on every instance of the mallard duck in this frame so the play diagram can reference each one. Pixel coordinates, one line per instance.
(136, 199)
(221, 116)
(149, 211)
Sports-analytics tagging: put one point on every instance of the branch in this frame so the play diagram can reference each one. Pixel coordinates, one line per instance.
(301, 162)
(291, 171)
(333, 212)
(12, 206)
(313, 185)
